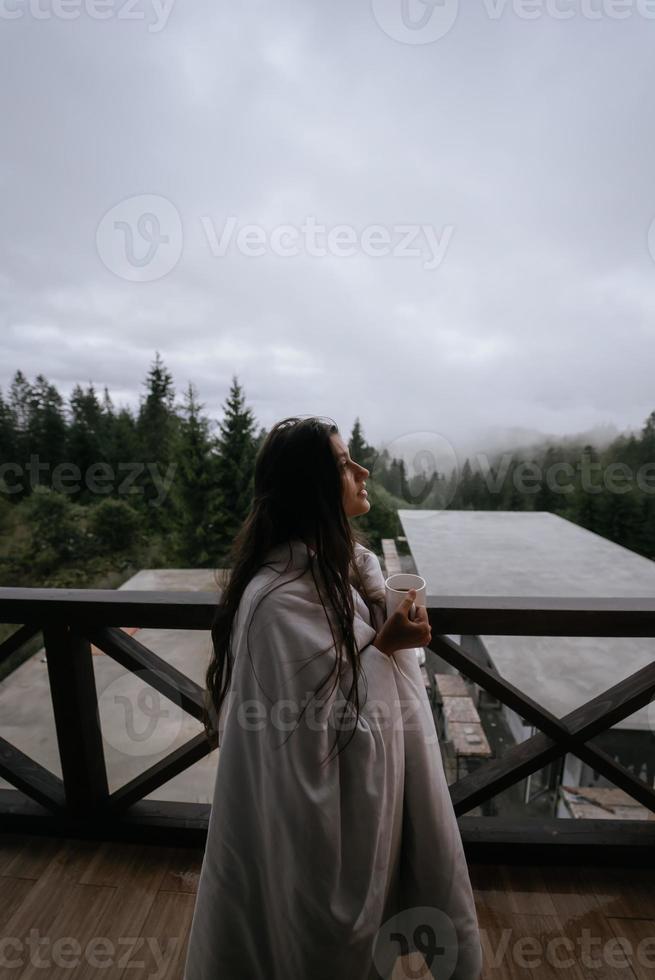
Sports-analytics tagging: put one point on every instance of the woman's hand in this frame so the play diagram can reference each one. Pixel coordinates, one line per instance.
(399, 632)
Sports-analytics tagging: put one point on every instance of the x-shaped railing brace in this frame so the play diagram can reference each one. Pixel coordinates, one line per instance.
(557, 735)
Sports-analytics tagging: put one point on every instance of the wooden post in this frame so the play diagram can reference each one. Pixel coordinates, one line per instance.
(75, 704)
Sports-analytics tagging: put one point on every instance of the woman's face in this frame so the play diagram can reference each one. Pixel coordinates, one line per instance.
(355, 502)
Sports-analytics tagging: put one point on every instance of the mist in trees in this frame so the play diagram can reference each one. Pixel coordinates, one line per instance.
(87, 486)
(610, 491)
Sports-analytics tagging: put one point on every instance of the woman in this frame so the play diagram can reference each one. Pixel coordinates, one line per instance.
(332, 844)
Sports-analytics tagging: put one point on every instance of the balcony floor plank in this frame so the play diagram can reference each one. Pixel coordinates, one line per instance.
(140, 898)
(640, 934)
(517, 945)
(624, 895)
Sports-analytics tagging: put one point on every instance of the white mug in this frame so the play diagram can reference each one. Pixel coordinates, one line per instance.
(396, 587)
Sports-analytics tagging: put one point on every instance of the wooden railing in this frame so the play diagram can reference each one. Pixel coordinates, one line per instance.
(80, 804)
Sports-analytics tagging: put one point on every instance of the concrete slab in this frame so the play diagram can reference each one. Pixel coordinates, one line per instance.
(174, 580)
(508, 553)
(520, 553)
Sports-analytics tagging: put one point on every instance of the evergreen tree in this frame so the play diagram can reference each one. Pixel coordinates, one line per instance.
(421, 489)
(20, 395)
(236, 460)
(647, 442)
(587, 508)
(123, 452)
(46, 425)
(198, 505)
(360, 450)
(462, 496)
(107, 425)
(8, 448)
(396, 479)
(157, 428)
(620, 514)
(451, 492)
(107, 403)
(478, 494)
(156, 420)
(515, 499)
(380, 471)
(547, 497)
(85, 434)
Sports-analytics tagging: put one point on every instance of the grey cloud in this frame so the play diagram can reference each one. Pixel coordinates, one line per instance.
(534, 140)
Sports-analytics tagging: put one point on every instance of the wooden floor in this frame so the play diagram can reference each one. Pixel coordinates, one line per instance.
(124, 911)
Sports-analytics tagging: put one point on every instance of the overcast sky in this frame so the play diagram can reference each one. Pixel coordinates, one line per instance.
(513, 159)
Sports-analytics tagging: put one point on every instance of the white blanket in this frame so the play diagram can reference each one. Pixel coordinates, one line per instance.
(327, 872)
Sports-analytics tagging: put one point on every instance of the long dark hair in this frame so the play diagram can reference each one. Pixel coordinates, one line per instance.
(297, 495)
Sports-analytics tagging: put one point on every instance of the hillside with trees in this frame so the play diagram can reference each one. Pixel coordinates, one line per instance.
(91, 492)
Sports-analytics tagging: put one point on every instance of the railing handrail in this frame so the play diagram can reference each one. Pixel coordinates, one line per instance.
(611, 616)
(109, 607)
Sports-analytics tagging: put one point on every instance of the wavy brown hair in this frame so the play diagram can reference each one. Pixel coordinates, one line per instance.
(297, 495)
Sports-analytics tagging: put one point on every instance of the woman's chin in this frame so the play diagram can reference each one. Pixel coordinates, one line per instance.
(360, 507)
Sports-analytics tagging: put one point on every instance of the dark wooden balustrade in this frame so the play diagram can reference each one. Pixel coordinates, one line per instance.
(80, 804)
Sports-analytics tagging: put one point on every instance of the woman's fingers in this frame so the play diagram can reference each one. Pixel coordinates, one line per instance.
(425, 622)
(424, 631)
